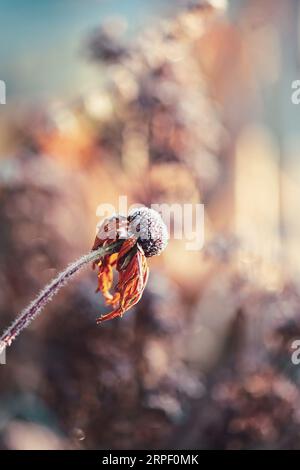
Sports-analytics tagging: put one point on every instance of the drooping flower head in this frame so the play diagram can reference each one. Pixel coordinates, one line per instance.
(137, 237)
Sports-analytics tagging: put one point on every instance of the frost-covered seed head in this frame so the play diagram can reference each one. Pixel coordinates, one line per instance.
(150, 230)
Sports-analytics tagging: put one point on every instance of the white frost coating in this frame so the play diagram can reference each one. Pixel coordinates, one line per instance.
(149, 228)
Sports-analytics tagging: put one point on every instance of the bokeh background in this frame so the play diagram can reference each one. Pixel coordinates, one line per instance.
(178, 102)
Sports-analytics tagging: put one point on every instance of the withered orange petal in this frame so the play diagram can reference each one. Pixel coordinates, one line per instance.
(131, 284)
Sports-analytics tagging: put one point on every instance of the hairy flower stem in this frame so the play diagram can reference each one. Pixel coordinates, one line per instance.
(37, 305)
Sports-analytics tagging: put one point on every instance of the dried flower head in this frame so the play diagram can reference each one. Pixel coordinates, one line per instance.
(141, 235)
(147, 225)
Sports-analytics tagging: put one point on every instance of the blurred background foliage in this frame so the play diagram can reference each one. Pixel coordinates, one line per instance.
(176, 102)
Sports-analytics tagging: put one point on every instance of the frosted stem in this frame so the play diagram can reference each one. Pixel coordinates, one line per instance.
(37, 305)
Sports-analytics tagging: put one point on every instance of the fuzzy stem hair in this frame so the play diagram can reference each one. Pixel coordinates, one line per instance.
(46, 295)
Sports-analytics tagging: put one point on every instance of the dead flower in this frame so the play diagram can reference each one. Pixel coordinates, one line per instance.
(141, 235)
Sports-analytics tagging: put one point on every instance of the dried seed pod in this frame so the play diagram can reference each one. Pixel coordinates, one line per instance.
(149, 229)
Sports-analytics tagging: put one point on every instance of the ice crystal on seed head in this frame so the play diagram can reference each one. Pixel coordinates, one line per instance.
(149, 229)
